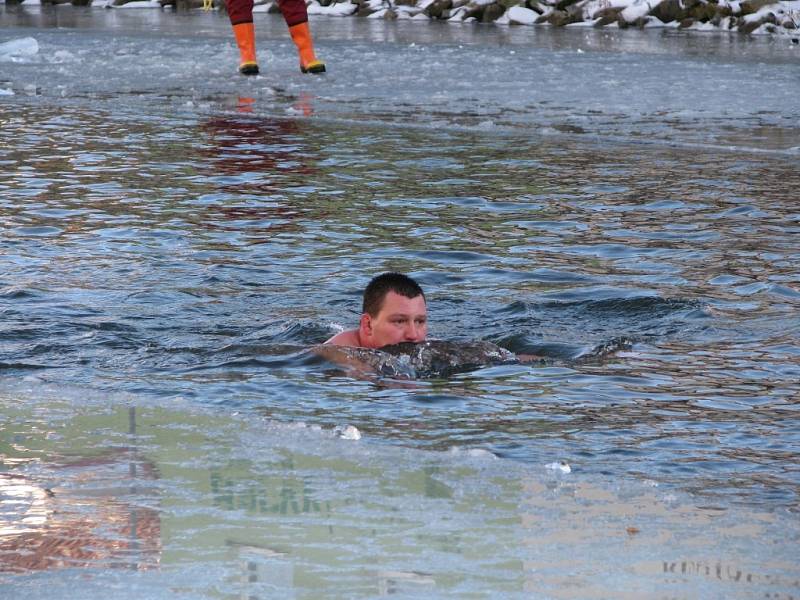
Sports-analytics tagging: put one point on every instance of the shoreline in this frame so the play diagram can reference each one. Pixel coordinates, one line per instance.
(747, 17)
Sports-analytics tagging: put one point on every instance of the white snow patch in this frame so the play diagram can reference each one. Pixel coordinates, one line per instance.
(407, 12)
(588, 23)
(639, 8)
(593, 6)
(522, 15)
(785, 13)
(340, 9)
(458, 15)
(138, 4)
(4, 92)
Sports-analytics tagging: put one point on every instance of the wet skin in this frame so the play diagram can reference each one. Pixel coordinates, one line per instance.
(400, 319)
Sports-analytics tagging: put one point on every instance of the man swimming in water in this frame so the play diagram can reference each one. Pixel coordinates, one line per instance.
(393, 311)
(391, 338)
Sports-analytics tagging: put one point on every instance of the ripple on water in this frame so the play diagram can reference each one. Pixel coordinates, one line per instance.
(196, 276)
(37, 231)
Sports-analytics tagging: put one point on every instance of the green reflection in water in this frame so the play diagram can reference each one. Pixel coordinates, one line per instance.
(263, 508)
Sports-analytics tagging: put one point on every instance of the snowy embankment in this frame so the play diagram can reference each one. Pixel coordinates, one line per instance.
(744, 16)
(747, 16)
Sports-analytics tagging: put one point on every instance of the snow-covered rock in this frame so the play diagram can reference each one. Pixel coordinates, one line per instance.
(743, 16)
(522, 16)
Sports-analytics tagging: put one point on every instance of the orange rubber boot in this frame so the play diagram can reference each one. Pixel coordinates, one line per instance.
(245, 34)
(301, 35)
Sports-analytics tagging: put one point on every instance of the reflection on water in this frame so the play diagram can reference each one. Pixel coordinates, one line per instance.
(70, 513)
(250, 158)
(239, 507)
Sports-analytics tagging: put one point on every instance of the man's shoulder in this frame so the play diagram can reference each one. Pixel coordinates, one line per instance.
(345, 338)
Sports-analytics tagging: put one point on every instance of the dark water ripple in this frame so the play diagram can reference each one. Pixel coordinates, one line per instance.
(197, 257)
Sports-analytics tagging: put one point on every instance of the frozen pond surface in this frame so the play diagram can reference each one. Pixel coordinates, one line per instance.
(173, 236)
(714, 90)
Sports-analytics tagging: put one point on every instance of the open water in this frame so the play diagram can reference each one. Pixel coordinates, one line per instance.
(174, 236)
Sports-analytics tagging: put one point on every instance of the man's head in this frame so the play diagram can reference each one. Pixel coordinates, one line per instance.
(394, 311)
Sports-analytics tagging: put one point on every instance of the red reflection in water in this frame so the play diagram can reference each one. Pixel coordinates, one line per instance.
(264, 159)
(68, 528)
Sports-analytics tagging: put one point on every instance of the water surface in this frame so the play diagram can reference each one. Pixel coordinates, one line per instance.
(167, 254)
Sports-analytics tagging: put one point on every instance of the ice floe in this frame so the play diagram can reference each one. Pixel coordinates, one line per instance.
(347, 432)
(560, 466)
(18, 48)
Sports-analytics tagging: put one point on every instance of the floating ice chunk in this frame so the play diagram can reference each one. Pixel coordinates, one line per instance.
(347, 432)
(481, 453)
(18, 48)
(473, 452)
(4, 92)
(61, 56)
(560, 466)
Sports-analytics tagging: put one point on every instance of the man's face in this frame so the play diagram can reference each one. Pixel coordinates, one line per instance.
(400, 319)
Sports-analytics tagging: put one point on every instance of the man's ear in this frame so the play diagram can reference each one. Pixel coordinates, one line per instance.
(365, 325)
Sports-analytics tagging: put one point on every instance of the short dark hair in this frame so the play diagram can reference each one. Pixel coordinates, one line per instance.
(382, 284)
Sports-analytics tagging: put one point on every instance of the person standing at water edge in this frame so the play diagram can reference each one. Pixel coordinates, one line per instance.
(296, 16)
(393, 311)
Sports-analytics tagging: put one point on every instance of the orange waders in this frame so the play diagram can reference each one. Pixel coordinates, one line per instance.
(296, 16)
